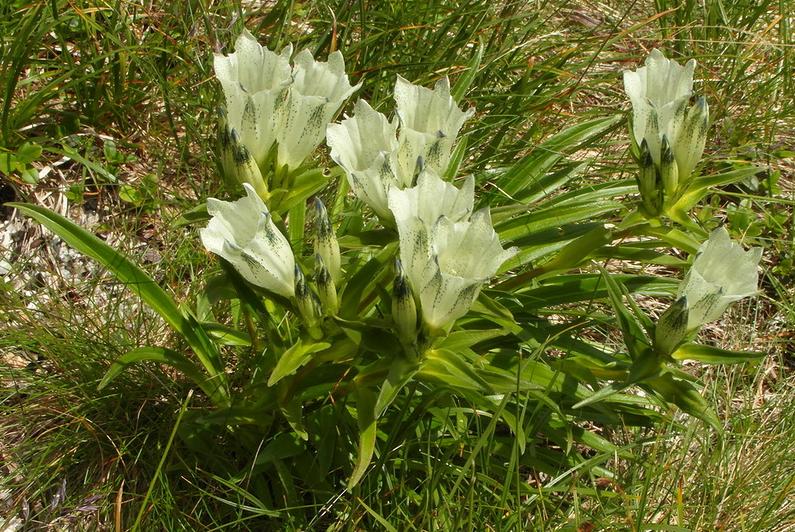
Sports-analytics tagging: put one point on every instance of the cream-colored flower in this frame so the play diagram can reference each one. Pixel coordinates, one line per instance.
(364, 145)
(659, 93)
(691, 138)
(722, 273)
(447, 255)
(243, 233)
(433, 198)
(316, 94)
(254, 81)
(429, 123)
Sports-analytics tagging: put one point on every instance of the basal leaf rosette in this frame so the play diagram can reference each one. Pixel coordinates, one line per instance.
(318, 91)
(243, 233)
(722, 273)
(429, 123)
(447, 252)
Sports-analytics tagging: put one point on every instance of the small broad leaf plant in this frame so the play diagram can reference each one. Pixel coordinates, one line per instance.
(390, 296)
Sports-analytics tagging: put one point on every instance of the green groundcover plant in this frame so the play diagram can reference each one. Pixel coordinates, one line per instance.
(346, 300)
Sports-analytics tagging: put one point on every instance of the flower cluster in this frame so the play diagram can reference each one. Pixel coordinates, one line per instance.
(448, 251)
(270, 104)
(376, 156)
(670, 132)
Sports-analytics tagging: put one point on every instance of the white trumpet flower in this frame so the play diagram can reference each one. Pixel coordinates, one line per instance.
(429, 123)
(447, 255)
(254, 81)
(659, 93)
(316, 94)
(661, 115)
(243, 233)
(433, 198)
(722, 273)
(691, 138)
(364, 145)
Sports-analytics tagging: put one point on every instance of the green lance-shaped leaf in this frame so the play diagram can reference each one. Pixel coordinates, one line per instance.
(684, 395)
(697, 189)
(523, 179)
(366, 416)
(451, 369)
(400, 373)
(304, 185)
(465, 80)
(143, 285)
(226, 335)
(632, 329)
(295, 228)
(295, 357)
(714, 355)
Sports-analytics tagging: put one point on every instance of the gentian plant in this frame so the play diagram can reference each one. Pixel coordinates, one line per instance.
(318, 316)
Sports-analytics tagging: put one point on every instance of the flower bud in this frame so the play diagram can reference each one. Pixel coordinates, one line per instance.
(689, 145)
(306, 301)
(246, 168)
(225, 154)
(404, 309)
(325, 287)
(326, 245)
(669, 173)
(651, 193)
(671, 328)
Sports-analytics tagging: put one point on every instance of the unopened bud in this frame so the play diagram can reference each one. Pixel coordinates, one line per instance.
(326, 244)
(325, 287)
(306, 301)
(246, 167)
(671, 328)
(651, 191)
(692, 136)
(669, 172)
(404, 309)
(225, 152)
